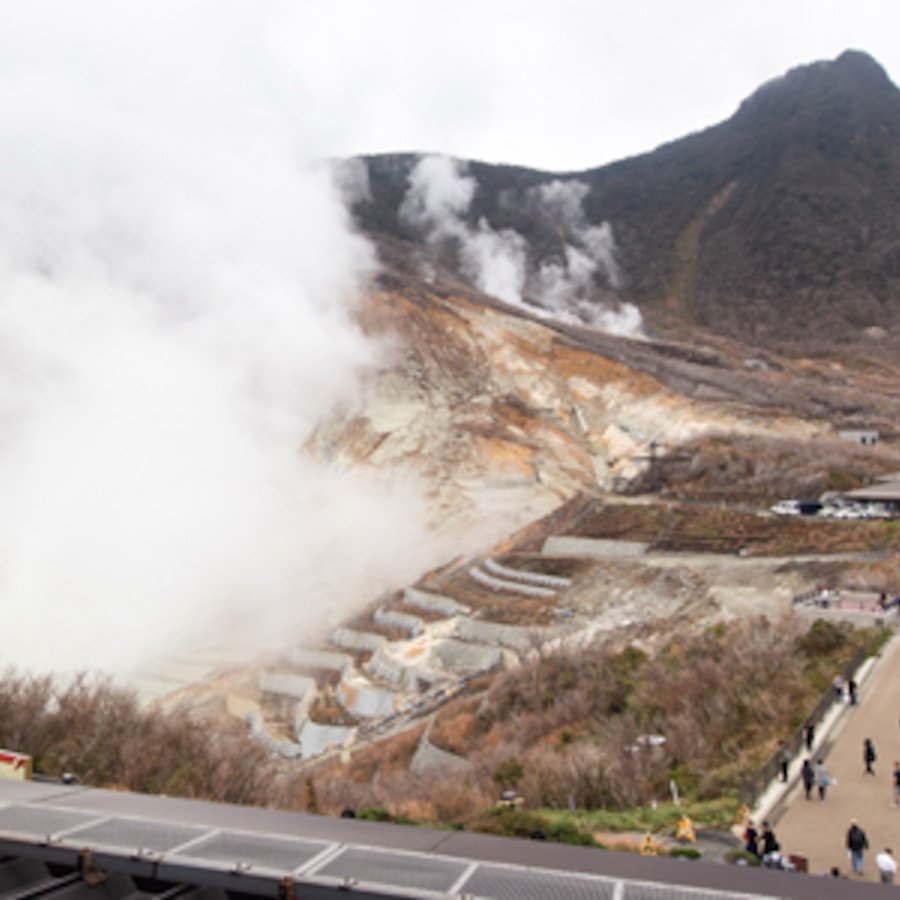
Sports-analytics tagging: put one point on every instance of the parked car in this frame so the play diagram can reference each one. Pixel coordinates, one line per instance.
(848, 512)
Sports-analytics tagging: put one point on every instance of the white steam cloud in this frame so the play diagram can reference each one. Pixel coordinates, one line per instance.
(437, 200)
(439, 195)
(176, 281)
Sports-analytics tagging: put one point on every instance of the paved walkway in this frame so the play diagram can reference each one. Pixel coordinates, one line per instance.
(818, 830)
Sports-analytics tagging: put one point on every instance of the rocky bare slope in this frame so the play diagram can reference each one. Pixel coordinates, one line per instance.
(505, 415)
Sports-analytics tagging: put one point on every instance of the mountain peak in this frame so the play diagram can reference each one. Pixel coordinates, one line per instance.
(858, 62)
(778, 225)
(854, 75)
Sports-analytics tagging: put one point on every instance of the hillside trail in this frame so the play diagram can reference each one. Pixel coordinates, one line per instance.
(818, 830)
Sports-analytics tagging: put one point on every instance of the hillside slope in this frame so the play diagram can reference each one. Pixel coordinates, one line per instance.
(504, 416)
(775, 227)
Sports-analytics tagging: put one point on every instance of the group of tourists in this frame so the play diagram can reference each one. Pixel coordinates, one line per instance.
(815, 775)
(857, 843)
(763, 845)
(819, 775)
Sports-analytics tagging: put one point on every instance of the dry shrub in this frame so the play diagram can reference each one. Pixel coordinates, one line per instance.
(455, 726)
(455, 801)
(381, 758)
(555, 774)
(335, 793)
(432, 797)
(99, 732)
(721, 698)
(760, 468)
(397, 754)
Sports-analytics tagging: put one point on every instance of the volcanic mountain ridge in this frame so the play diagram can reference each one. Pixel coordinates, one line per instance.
(777, 228)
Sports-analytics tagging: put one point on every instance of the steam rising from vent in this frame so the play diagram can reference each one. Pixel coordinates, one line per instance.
(175, 293)
(437, 201)
(351, 178)
(590, 248)
(439, 196)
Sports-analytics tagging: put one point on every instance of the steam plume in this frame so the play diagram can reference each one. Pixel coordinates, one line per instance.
(439, 196)
(176, 281)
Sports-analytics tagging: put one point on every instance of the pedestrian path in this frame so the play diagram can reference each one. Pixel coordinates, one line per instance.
(818, 830)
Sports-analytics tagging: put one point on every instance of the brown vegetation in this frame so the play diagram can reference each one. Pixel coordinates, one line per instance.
(714, 528)
(761, 470)
(96, 731)
(565, 728)
(571, 726)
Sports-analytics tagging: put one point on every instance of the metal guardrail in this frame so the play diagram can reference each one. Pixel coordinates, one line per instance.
(758, 784)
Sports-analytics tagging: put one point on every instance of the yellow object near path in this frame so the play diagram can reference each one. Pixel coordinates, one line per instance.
(685, 830)
(648, 845)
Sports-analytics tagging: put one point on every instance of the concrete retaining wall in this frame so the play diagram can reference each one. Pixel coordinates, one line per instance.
(513, 636)
(364, 699)
(592, 548)
(412, 625)
(318, 659)
(249, 711)
(438, 603)
(315, 739)
(384, 666)
(538, 578)
(464, 659)
(432, 760)
(514, 587)
(356, 640)
(286, 684)
(287, 749)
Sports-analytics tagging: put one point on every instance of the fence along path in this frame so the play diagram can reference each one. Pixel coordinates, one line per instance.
(818, 830)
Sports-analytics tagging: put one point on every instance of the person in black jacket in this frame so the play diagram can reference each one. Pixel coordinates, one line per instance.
(869, 756)
(808, 774)
(809, 734)
(857, 844)
(769, 842)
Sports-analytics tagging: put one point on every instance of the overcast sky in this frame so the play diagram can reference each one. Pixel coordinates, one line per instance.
(558, 85)
(553, 84)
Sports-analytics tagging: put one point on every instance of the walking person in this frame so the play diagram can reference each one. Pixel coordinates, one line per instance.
(786, 757)
(869, 756)
(823, 779)
(887, 865)
(751, 839)
(770, 843)
(808, 774)
(809, 734)
(857, 844)
(851, 690)
(896, 775)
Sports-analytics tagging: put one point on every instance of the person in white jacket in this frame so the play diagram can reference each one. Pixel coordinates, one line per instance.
(887, 865)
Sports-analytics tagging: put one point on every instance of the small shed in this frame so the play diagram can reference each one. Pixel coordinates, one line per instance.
(866, 436)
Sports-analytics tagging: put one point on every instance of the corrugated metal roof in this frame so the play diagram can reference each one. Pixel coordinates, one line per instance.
(885, 490)
(58, 839)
